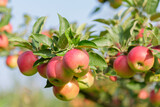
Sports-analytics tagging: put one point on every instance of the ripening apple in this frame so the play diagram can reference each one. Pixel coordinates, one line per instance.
(11, 61)
(3, 2)
(122, 68)
(56, 73)
(86, 81)
(68, 91)
(3, 41)
(47, 33)
(155, 97)
(42, 69)
(140, 59)
(25, 63)
(113, 78)
(143, 94)
(140, 34)
(7, 28)
(115, 3)
(77, 61)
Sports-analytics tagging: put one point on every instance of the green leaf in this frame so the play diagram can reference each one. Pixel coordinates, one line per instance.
(151, 6)
(17, 39)
(44, 53)
(45, 40)
(96, 10)
(5, 20)
(61, 53)
(155, 16)
(135, 85)
(80, 28)
(4, 9)
(64, 25)
(111, 72)
(112, 51)
(96, 60)
(69, 36)
(102, 41)
(48, 84)
(41, 61)
(38, 26)
(87, 44)
(62, 42)
(104, 21)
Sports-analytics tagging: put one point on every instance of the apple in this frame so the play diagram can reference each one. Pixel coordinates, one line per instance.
(140, 34)
(7, 28)
(3, 41)
(42, 69)
(122, 68)
(115, 3)
(113, 78)
(68, 91)
(86, 81)
(11, 61)
(56, 73)
(155, 97)
(47, 33)
(25, 63)
(77, 61)
(102, 1)
(140, 59)
(118, 54)
(3, 2)
(143, 94)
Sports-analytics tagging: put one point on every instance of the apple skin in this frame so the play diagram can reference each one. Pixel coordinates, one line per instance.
(3, 2)
(143, 94)
(42, 69)
(140, 59)
(113, 78)
(115, 3)
(11, 61)
(3, 41)
(155, 97)
(76, 60)
(8, 28)
(56, 73)
(140, 34)
(88, 79)
(25, 63)
(68, 91)
(122, 68)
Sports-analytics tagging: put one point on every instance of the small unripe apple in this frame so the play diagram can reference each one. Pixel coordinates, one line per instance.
(143, 94)
(76, 61)
(42, 69)
(86, 81)
(12, 61)
(7, 28)
(140, 59)
(25, 63)
(115, 3)
(122, 68)
(68, 91)
(155, 97)
(56, 73)
(3, 41)
(3, 2)
(140, 34)
(113, 78)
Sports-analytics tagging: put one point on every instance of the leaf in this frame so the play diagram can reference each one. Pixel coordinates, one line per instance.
(104, 21)
(62, 42)
(61, 53)
(112, 51)
(155, 16)
(96, 60)
(45, 40)
(87, 44)
(5, 20)
(41, 61)
(69, 36)
(64, 25)
(96, 10)
(44, 53)
(17, 39)
(102, 41)
(80, 28)
(4, 9)
(151, 6)
(111, 72)
(135, 85)
(37, 28)
(48, 84)
(126, 12)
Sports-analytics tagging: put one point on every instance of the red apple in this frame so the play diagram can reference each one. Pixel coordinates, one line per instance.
(143, 94)
(3, 41)
(113, 78)
(3, 2)
(25, 63)
(7, 28)
(12, 61)
(122, 68)
(118, 54)
(155, 97)
(68, 91)
(42, 69)
(140, 34)
(77, 61)
(86, 81)
(140, 59)
(56, 73)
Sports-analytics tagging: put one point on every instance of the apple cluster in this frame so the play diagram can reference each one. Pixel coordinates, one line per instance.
(68, 74)
(139, 59)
